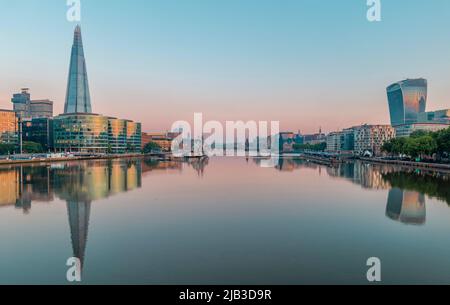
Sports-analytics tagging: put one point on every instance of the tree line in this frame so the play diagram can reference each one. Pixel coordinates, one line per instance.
(420, 144)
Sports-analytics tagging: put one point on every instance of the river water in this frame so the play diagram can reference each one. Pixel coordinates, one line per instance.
(222, 221)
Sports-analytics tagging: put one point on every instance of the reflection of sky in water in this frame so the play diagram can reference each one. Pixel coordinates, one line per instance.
(222, 221)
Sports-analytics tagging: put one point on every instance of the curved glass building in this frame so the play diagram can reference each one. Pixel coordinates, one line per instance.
(407, 99)
(81, 132)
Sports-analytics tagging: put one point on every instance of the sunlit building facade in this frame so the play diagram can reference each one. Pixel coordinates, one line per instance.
(78, 129)
(84, 133)
(9, 127)
(117, 136)
(372, 137)
(407, 99)
(134, 136)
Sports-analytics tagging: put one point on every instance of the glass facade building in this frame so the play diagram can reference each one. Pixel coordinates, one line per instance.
(117, 136)
(39, 131)
(407, 99)
(78, 99)
(134, 136)
(9, 127)
(81, 132)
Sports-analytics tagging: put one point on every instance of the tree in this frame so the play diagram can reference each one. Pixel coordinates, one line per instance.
(151, 147)
(6, 149)
(32, 148)
(416, 147)
(443, 141)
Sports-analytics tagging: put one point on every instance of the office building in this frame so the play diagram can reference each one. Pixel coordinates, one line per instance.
(117, 136)
(341, 141)
(31, 109)
(39, 131)
(78, 98)
(134, 136)
(78, 129)
(407, 129)
(9, 127)
(440, 117)
(81, 132)
(407, 99)
(41, 109)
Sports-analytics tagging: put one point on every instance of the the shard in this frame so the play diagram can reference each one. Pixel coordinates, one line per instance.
(78, 99)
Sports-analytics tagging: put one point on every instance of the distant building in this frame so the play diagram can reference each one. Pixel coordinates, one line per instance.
(372, 137)
(314, 139)
(21, 103)
(41, 109)
(407, 129)
(287, 141)
(31, 109)
(342, 141)
(9, 127)
(164, 140)
(440, 116)
(407, 99)
(39, 131)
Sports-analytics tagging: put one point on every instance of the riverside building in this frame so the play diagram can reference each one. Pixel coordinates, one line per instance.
(80, 130)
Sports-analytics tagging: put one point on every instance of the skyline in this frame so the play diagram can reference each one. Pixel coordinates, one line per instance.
(224, 60)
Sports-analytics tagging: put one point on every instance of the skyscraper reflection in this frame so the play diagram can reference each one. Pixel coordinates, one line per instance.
(407, 207)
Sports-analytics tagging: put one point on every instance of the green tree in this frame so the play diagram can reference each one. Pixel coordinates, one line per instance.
(6, 149)
(151, 147)
(32, 148)
(443, 141)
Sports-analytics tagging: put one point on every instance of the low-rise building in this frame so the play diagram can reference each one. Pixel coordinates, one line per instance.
(341, 141)
(162, 139)
(94, 133)
(440, 117)
(407, 129)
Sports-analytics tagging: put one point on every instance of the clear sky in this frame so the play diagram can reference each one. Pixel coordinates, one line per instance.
(307, 63)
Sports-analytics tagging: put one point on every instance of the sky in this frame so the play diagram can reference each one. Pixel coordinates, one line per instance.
(305, 63)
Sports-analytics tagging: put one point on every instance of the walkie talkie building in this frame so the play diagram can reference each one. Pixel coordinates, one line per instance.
(407, 99)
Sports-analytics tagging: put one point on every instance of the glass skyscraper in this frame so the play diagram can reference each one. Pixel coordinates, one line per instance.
(78, 99)
(78, 129)
(407, 99)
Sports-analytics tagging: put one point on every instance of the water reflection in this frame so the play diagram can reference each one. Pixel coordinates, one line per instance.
(407, 188)
(406, 206)
(79, 184)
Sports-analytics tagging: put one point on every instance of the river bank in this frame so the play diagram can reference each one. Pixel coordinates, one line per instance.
(69, 159)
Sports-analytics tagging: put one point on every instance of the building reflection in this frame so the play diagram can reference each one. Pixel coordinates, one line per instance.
(406, 206)
(77, 183)
(407, 187)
